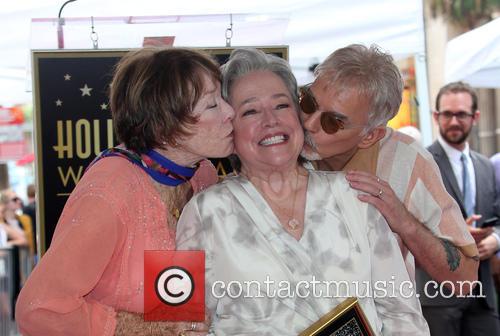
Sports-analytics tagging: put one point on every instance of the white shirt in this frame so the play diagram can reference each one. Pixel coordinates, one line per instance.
(14, 223)
(3, 237)
(343, 240)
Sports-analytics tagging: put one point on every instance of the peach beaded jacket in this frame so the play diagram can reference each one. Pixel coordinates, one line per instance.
(94, 266)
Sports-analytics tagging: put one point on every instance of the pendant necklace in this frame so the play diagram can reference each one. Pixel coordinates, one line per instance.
(293, 223)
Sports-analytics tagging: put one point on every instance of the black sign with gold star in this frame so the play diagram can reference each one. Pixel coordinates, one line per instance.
(73, 122)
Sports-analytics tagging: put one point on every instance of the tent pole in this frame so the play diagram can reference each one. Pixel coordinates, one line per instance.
(424, 111)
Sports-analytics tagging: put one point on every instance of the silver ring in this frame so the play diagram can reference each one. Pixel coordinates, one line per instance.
(193, 326)
(380, 193)
(378, 180)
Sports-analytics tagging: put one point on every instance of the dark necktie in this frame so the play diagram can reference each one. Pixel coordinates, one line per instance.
(467, 190)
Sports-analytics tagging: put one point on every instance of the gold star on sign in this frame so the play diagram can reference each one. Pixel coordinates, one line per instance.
(85, 90)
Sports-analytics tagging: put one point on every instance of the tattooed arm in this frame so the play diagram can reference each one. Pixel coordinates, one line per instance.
(439, 257)
(452, 254)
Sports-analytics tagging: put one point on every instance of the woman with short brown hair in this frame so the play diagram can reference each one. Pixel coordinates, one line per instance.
(169, 115)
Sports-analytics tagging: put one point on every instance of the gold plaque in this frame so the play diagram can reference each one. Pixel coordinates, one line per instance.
(346, 319)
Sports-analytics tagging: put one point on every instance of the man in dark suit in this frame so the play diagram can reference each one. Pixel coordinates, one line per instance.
(469, 178)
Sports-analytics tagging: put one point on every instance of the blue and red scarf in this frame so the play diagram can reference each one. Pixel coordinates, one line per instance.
(160, 168)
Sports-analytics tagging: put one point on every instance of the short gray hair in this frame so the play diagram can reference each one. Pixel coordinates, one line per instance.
(371, 73)
(244, 61)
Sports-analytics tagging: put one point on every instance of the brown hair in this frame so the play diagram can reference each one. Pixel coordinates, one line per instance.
(456, 87)
(153, 93)
(31, 190)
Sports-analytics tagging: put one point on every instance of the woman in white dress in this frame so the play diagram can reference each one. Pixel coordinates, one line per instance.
(275, 233)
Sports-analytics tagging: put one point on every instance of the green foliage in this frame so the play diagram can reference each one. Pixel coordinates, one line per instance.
(465, 13)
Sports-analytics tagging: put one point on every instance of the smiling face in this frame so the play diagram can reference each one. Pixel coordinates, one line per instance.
(212, 135)
(267, 131)
(455, 130)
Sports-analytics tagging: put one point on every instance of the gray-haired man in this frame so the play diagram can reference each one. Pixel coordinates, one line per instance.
(345, 111)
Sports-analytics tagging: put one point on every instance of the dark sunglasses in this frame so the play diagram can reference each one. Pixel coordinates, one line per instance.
(329, 121)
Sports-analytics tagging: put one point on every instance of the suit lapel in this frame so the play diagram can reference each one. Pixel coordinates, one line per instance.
(481, 180)
(447, 171)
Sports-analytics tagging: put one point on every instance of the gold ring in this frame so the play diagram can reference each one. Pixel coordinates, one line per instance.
(182, 333)
(380, 193)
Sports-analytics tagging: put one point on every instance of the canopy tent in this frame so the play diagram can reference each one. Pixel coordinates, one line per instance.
(474, 57)
(311, 29)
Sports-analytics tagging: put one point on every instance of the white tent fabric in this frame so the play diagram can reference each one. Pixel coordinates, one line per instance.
(474, 57)
(312, 29)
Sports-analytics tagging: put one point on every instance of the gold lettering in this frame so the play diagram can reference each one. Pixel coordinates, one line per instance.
(69, 173)
(83, 141)
(61, 147)
(97, 136)
(110, 133)
(220, 169)
(86, 132)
